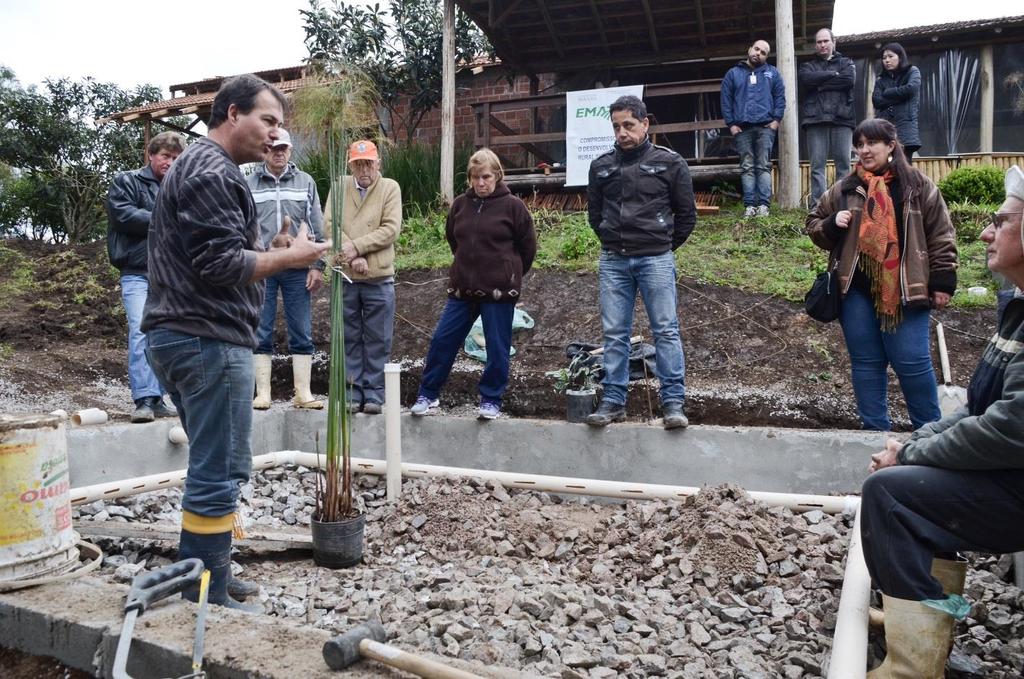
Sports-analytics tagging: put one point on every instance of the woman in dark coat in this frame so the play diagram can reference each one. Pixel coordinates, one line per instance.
(493, 244)
(897, 96)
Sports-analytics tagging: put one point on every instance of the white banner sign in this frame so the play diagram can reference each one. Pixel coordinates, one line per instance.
(588, 129)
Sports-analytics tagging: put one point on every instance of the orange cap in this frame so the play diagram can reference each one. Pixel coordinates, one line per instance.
(362, 150)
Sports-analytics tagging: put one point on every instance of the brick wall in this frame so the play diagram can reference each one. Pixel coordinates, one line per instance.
(489, 85)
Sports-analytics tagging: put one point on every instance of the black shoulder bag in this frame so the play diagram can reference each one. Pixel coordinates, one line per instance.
(822, 301)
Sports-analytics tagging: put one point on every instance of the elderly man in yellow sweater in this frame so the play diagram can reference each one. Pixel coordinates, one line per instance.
(372, 218)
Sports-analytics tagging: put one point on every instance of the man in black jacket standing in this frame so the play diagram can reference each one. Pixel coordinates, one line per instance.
(826, 87)
(129, 208)
(641, 206)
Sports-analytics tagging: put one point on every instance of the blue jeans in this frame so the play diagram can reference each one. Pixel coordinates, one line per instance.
(369, 326)
(143, 382)
(871, 351)
(297, 313)
(754, 146)
(211, 383)
(455, 323)
(824, 141)
(655, 276)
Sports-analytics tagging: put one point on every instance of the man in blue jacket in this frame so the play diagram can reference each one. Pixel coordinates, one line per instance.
(129, 208)
(753, 102)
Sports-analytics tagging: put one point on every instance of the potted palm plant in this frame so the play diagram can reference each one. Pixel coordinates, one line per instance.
(578, 381)
(336, 108)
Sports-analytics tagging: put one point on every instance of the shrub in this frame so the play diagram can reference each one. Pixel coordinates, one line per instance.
(980, 184)
(417, 169)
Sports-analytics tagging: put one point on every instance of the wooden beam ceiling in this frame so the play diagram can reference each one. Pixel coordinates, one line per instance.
(551, 28)
(600, 26)
(650, 25)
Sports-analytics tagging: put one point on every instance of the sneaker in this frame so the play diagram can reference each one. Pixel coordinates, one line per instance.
(161, 409)
(606, 413)
(749, 212)
(489, 411)
(424, 406)
(371, 408)
(143, 411)
(672, 416)
(762, 210)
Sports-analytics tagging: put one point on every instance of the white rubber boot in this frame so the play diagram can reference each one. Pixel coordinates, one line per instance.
(261, 365)
(302, 366)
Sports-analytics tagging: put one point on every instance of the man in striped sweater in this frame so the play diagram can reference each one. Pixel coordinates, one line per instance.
(955, 484)
(206, 269)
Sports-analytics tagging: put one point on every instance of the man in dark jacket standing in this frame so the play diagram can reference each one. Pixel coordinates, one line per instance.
(206, 271)
(753, 103)
(826, 87)
(129, 208)
(641, 207)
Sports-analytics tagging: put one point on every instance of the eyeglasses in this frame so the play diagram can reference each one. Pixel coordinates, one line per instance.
(1000, 219)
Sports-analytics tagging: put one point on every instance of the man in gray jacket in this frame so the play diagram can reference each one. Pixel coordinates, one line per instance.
(955, 484)
(129, 209)
(284, 194)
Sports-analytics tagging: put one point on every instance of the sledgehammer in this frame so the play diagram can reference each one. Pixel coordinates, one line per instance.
(365, 641)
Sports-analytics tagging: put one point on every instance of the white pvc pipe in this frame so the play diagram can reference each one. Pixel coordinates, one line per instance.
(393, 429)
(850, 640)
(177, 435)
(89, 416)
(829, 504)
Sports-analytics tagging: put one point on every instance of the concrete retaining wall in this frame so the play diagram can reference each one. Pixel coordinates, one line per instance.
(756, 458)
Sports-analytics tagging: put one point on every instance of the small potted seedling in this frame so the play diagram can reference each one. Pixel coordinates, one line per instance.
(578, 381)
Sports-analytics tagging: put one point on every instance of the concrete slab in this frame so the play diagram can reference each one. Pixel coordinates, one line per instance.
(79, 624)
(757, 458)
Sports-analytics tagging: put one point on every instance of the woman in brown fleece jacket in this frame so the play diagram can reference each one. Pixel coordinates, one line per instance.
(491, 235)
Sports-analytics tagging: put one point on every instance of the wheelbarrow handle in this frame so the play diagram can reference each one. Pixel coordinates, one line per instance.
(152, 586)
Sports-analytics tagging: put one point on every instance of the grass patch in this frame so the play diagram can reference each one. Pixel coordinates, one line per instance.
(6, 351)
(18, 275)
(765, 255)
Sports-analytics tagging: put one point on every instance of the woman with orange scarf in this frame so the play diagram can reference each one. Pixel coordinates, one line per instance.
(894, 251)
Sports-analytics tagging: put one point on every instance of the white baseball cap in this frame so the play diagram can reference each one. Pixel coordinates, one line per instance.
(283, 138)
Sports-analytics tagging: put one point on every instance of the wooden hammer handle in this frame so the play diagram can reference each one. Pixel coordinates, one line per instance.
(389, 655)
(635, 339)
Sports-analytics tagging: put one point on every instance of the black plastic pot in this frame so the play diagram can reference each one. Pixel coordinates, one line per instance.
(338, 544)
(579, 404)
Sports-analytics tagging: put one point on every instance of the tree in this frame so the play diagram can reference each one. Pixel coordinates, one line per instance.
(400, 50)
(61, 162)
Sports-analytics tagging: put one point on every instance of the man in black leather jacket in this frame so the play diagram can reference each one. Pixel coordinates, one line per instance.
(826, 110)
(129, 208)
(641, 206)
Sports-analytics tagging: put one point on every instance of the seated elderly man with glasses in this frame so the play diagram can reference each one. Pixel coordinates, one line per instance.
(955, 484)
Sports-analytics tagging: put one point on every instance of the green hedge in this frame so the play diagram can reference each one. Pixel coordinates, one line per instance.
(980, 184)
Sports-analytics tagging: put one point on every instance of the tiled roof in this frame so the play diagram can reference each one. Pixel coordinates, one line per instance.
(932, 29)
(188, 104)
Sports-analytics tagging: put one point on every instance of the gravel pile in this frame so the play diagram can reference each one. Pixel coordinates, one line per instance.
(715, 586)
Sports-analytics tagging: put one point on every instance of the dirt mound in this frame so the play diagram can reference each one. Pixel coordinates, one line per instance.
(751, 359)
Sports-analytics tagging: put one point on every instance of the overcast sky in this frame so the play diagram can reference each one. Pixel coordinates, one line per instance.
(136, 42)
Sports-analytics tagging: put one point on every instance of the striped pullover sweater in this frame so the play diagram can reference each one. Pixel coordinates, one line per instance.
(987, 434)
(203, 240)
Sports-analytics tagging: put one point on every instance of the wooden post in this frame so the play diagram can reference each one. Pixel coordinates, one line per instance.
(988, 100)
(448, 104)
(147, 134)
(789, 139)
(869, 108)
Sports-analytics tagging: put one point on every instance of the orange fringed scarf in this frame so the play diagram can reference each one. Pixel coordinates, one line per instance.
(879, 247)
